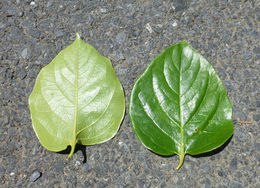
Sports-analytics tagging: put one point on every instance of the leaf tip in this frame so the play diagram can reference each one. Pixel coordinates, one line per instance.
(184, 42)
(77, 36)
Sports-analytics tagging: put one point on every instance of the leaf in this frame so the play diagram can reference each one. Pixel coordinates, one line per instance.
(179, 105)
(77, 98)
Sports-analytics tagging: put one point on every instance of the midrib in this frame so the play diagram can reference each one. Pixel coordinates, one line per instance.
(74, 131)
(181, 154)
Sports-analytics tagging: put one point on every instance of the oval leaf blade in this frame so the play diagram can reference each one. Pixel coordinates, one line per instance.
(77, 98)
(179, 105)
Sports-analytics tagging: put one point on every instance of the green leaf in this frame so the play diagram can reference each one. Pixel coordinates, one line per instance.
(77, 98)
(179, 105)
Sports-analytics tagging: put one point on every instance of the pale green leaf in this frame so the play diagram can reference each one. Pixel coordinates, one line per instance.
(77, 98)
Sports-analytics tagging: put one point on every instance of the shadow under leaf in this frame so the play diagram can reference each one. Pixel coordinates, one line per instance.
(77, 148)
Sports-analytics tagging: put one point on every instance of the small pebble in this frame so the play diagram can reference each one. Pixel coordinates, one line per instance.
(24, 53)
(2, 171)
(6, 120)
(256, 117)
(21, 14)
(32, 3)
(23, 74)
(121, 37)
(32, 74)
(35, 176)
(59, 33)
(233, 164)
(37, 63)
(49, 4)
(2, 25)
(149, 28)
(59, 44)
(77, 163)
(103, 10)
(240, 136)
(174, 24)
(87, 167)
(89, 19)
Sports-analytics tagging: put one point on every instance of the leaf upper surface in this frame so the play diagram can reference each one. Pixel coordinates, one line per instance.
(179, 104)
(77, 98)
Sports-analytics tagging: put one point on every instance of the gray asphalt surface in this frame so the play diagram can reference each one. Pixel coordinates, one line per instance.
(131, 33)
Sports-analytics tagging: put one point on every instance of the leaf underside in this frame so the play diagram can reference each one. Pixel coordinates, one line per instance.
(77, 98)
(179, 105)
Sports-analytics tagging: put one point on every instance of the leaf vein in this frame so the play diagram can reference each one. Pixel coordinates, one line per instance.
(71, 84)
(89, 101)
(211, 115)
(193, 81)
(161, 146)
(197, 109)
(83, 64)
(149, 116)
(89, 75)
(52, 111)
(107, 127)
(189, 63)
(66, 64)
(101, 115)
(167, 80)
(171, 119)
(62, 92)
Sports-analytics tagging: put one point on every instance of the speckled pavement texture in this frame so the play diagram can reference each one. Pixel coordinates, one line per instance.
(131, 33)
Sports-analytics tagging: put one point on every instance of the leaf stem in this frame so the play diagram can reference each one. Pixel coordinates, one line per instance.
(72, 149)
(181, 160)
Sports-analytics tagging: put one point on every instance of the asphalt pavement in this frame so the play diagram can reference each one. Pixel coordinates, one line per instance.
(131, 34)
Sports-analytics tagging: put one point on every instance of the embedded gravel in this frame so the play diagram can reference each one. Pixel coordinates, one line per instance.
(130, 33)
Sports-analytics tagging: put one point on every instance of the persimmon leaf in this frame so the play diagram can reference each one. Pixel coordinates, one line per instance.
(179, 105)
(77, 98)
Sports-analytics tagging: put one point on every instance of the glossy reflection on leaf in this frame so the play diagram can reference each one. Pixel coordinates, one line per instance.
(179, 105)
(77, 98)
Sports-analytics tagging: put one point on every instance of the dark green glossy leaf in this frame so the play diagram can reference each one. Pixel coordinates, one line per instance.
(179, 105)
(77, 98)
